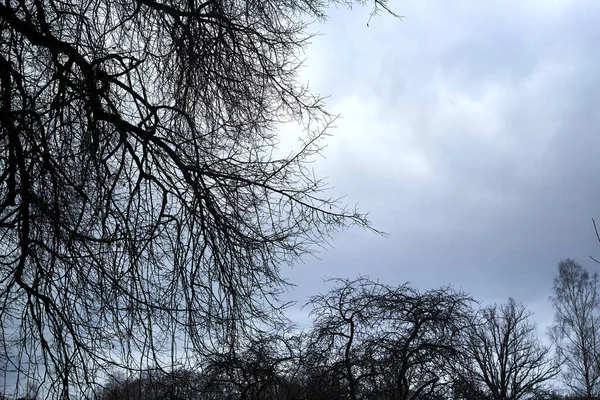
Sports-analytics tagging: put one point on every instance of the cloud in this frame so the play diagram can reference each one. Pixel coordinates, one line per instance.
(470, 132)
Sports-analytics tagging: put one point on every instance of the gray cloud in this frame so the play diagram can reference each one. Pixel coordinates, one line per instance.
(470, 133)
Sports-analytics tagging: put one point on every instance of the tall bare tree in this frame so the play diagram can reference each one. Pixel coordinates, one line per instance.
(575, 331)
(143, 214)
(505, 356)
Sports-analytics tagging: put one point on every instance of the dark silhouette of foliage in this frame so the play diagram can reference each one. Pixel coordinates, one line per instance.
(264, 368)
(153, 385)
(466, 386)
(144, 214)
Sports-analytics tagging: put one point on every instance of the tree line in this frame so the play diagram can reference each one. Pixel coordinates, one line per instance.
(370, 340)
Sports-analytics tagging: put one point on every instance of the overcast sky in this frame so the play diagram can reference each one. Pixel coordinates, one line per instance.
(471, 134)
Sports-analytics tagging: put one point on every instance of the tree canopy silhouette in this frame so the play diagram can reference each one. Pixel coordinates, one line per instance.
(143, 210)
(385, 342)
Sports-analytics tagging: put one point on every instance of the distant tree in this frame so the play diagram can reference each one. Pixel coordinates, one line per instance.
(551, 394)
(264, 368)
(466, 384)
(144, 211)
(575, 331)
(505, 356)
(387, 342)
(154, 385)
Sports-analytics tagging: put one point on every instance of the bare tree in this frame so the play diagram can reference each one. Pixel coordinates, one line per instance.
(575, 331)
(144, 215)
(505, 356)
(388, 342)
